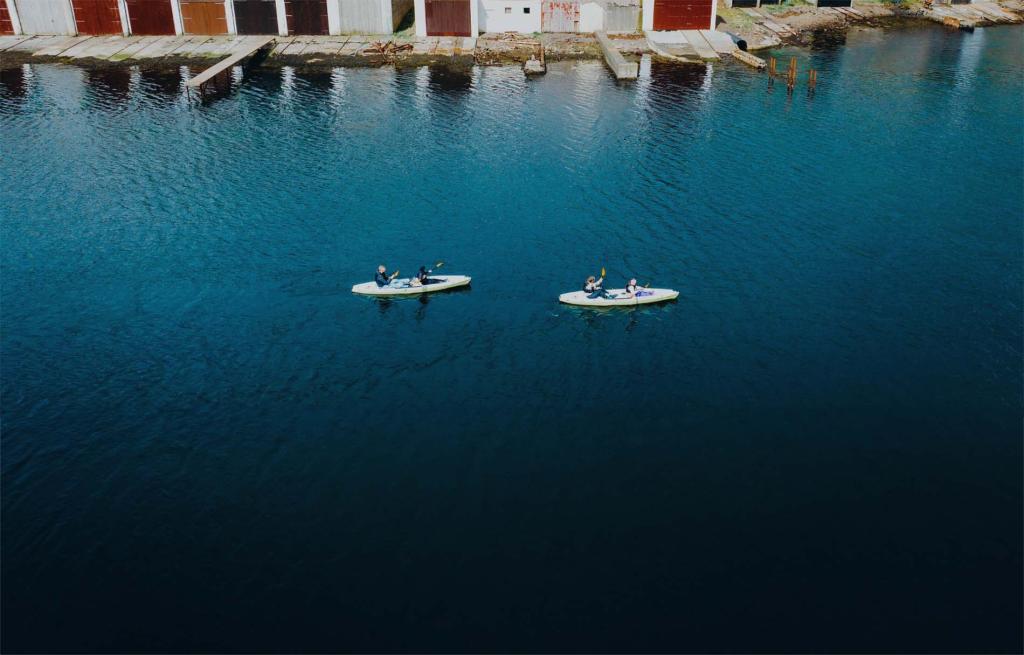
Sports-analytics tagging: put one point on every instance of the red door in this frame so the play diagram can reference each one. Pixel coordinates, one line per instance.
(682, 14)
(97, 16)
(448, 17)
(150, 17)
(6, 26)
(306, 16)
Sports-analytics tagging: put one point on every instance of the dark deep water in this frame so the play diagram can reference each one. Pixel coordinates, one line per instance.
(210, 444)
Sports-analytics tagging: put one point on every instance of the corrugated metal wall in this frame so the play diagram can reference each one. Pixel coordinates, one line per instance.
(366, 16)
(622, 15)
(204, 17)
(560, 16)
(45, 17)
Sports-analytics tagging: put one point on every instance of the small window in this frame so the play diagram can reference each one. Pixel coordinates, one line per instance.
(508, 10)
(526, 10)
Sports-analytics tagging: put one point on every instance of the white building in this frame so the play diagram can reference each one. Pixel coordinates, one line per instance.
(510, 16)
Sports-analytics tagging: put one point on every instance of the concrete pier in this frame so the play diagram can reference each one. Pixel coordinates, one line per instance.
(622, 69)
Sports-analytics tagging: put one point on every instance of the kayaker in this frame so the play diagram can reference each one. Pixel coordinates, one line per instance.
(594, 288)
(382, 278)
(631, 289)
(421, 278)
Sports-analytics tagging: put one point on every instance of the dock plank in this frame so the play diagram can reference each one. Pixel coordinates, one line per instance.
(184, 48)
(54, 48)
(248, 48)
(160, 46)
(138, 44)
(8, 42)
(98, 48)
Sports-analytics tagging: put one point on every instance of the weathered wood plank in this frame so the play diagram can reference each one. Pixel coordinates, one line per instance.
(53, 48)
(8, 42)
(250, 48)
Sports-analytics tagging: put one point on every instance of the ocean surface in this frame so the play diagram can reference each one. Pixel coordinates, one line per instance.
(209, 443)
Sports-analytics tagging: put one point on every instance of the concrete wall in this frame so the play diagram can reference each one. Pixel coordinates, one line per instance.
(621, 15)
(510, 16)
(46, 17)
(591, 16)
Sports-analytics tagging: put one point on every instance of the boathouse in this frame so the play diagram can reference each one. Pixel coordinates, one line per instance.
(257, 17)
(447, 17)
(367, 16)
(45, 17)
(203, 16)
(667, 15)
(510, 16)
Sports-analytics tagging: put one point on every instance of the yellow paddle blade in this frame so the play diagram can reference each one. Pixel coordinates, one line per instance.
(602, 271)
(438, 264)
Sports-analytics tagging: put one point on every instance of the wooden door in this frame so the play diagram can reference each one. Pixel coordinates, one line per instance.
(448, 17)
(150, 17)
(97, 16)
(306, 16)
(256, 17)
(682, 14)
(204, 17)
(6, 25)
(560, 16)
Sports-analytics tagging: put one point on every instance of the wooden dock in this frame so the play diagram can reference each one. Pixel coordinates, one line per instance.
(247, 48)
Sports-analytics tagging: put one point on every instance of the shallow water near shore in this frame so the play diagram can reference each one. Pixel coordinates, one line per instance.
(210, 444)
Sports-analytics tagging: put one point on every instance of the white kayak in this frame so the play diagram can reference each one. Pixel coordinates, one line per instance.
(401, 287)
(617, 298)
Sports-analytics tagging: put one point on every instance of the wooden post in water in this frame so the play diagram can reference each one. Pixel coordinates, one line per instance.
(812, 81)
(771, 67)
(791, 75)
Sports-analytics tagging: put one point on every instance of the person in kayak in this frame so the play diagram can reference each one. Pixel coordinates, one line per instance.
(382, 278)
(421, 278)
(594, 289)
(631, 289)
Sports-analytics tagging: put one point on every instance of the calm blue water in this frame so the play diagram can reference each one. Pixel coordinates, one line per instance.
(210, 444)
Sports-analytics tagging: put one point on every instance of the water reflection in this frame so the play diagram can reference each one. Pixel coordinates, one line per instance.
(109, 87)
(452, 81)
(14, 82)
(161, 82)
